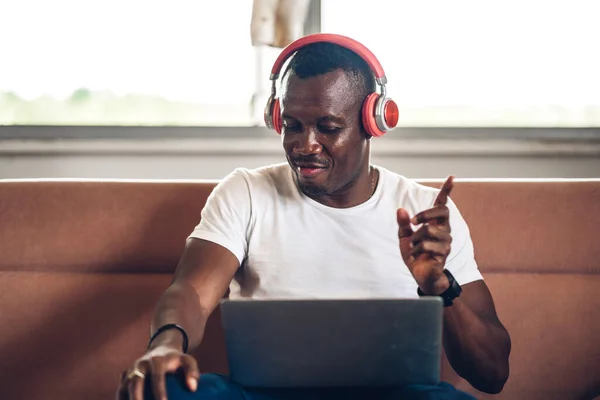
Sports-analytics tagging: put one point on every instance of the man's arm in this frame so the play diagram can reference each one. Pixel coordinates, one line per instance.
(476, 343)
(199, 283)
(202, 277)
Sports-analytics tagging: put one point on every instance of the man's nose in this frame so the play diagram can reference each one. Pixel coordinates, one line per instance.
(307, 143)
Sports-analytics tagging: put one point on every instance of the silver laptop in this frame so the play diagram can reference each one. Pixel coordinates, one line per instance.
(333, 343)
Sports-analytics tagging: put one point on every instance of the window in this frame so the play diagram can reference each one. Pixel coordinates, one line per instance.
(482, 63)
(133, 62)
(464, 63)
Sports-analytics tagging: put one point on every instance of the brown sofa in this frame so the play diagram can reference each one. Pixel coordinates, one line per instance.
(82, 264)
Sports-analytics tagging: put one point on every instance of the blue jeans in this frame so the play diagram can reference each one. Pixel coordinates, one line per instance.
(218, 387)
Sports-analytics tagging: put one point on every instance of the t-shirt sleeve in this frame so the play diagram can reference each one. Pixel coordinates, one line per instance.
(226, 215)
(461, 260)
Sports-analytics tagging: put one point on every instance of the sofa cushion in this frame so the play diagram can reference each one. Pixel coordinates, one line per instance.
(555, 348)
(69, 335)
(82, 264)
(141, 226)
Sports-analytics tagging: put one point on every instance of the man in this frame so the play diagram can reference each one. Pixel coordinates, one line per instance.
(325, 224)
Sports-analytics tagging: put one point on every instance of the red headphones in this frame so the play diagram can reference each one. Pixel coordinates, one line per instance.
(379, 113)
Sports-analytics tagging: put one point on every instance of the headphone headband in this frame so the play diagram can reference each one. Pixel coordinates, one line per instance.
(379, 113)
(340, 40)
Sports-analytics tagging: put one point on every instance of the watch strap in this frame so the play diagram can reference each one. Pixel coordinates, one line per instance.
(449, 294)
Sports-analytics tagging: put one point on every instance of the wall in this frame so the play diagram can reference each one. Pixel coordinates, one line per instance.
(182, 156)
(190, 167)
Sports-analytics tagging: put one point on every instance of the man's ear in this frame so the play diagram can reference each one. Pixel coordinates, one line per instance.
(363, 130)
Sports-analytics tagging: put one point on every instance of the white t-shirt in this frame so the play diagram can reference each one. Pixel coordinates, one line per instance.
(291, 246)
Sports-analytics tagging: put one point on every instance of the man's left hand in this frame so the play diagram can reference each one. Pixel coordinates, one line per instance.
(425, 250)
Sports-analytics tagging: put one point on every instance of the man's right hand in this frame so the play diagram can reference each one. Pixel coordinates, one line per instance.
(200, 281)
(154, 365)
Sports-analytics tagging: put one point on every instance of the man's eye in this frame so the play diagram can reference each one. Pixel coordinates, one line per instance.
(330, 129)
(290, 126)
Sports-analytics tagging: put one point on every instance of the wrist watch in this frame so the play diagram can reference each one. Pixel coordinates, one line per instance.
(449, 294)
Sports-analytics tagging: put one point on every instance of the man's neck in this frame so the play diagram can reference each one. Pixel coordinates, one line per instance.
(355, 193)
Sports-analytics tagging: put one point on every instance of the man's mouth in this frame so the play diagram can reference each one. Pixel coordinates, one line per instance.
(309, 170)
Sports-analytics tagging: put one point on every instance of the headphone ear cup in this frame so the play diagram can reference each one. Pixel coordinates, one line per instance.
(276, 115)
(368, 115)
(391, 114)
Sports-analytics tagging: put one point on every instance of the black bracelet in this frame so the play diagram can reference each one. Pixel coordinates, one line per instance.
(167, 327)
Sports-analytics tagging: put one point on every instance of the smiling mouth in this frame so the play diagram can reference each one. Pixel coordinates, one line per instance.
(309, 171)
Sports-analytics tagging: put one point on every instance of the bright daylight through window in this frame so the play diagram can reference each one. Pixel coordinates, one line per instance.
(185, 62)
(129, 62)
(482, 63)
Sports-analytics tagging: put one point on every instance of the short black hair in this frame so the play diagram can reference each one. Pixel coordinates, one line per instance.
(323, 57)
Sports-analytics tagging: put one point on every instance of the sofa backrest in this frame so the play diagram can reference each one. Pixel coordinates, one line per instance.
(83, 262)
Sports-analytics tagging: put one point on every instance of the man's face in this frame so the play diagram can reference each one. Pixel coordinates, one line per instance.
(322, 132)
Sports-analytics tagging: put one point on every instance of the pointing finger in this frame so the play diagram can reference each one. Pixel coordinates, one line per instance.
(442, 197)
